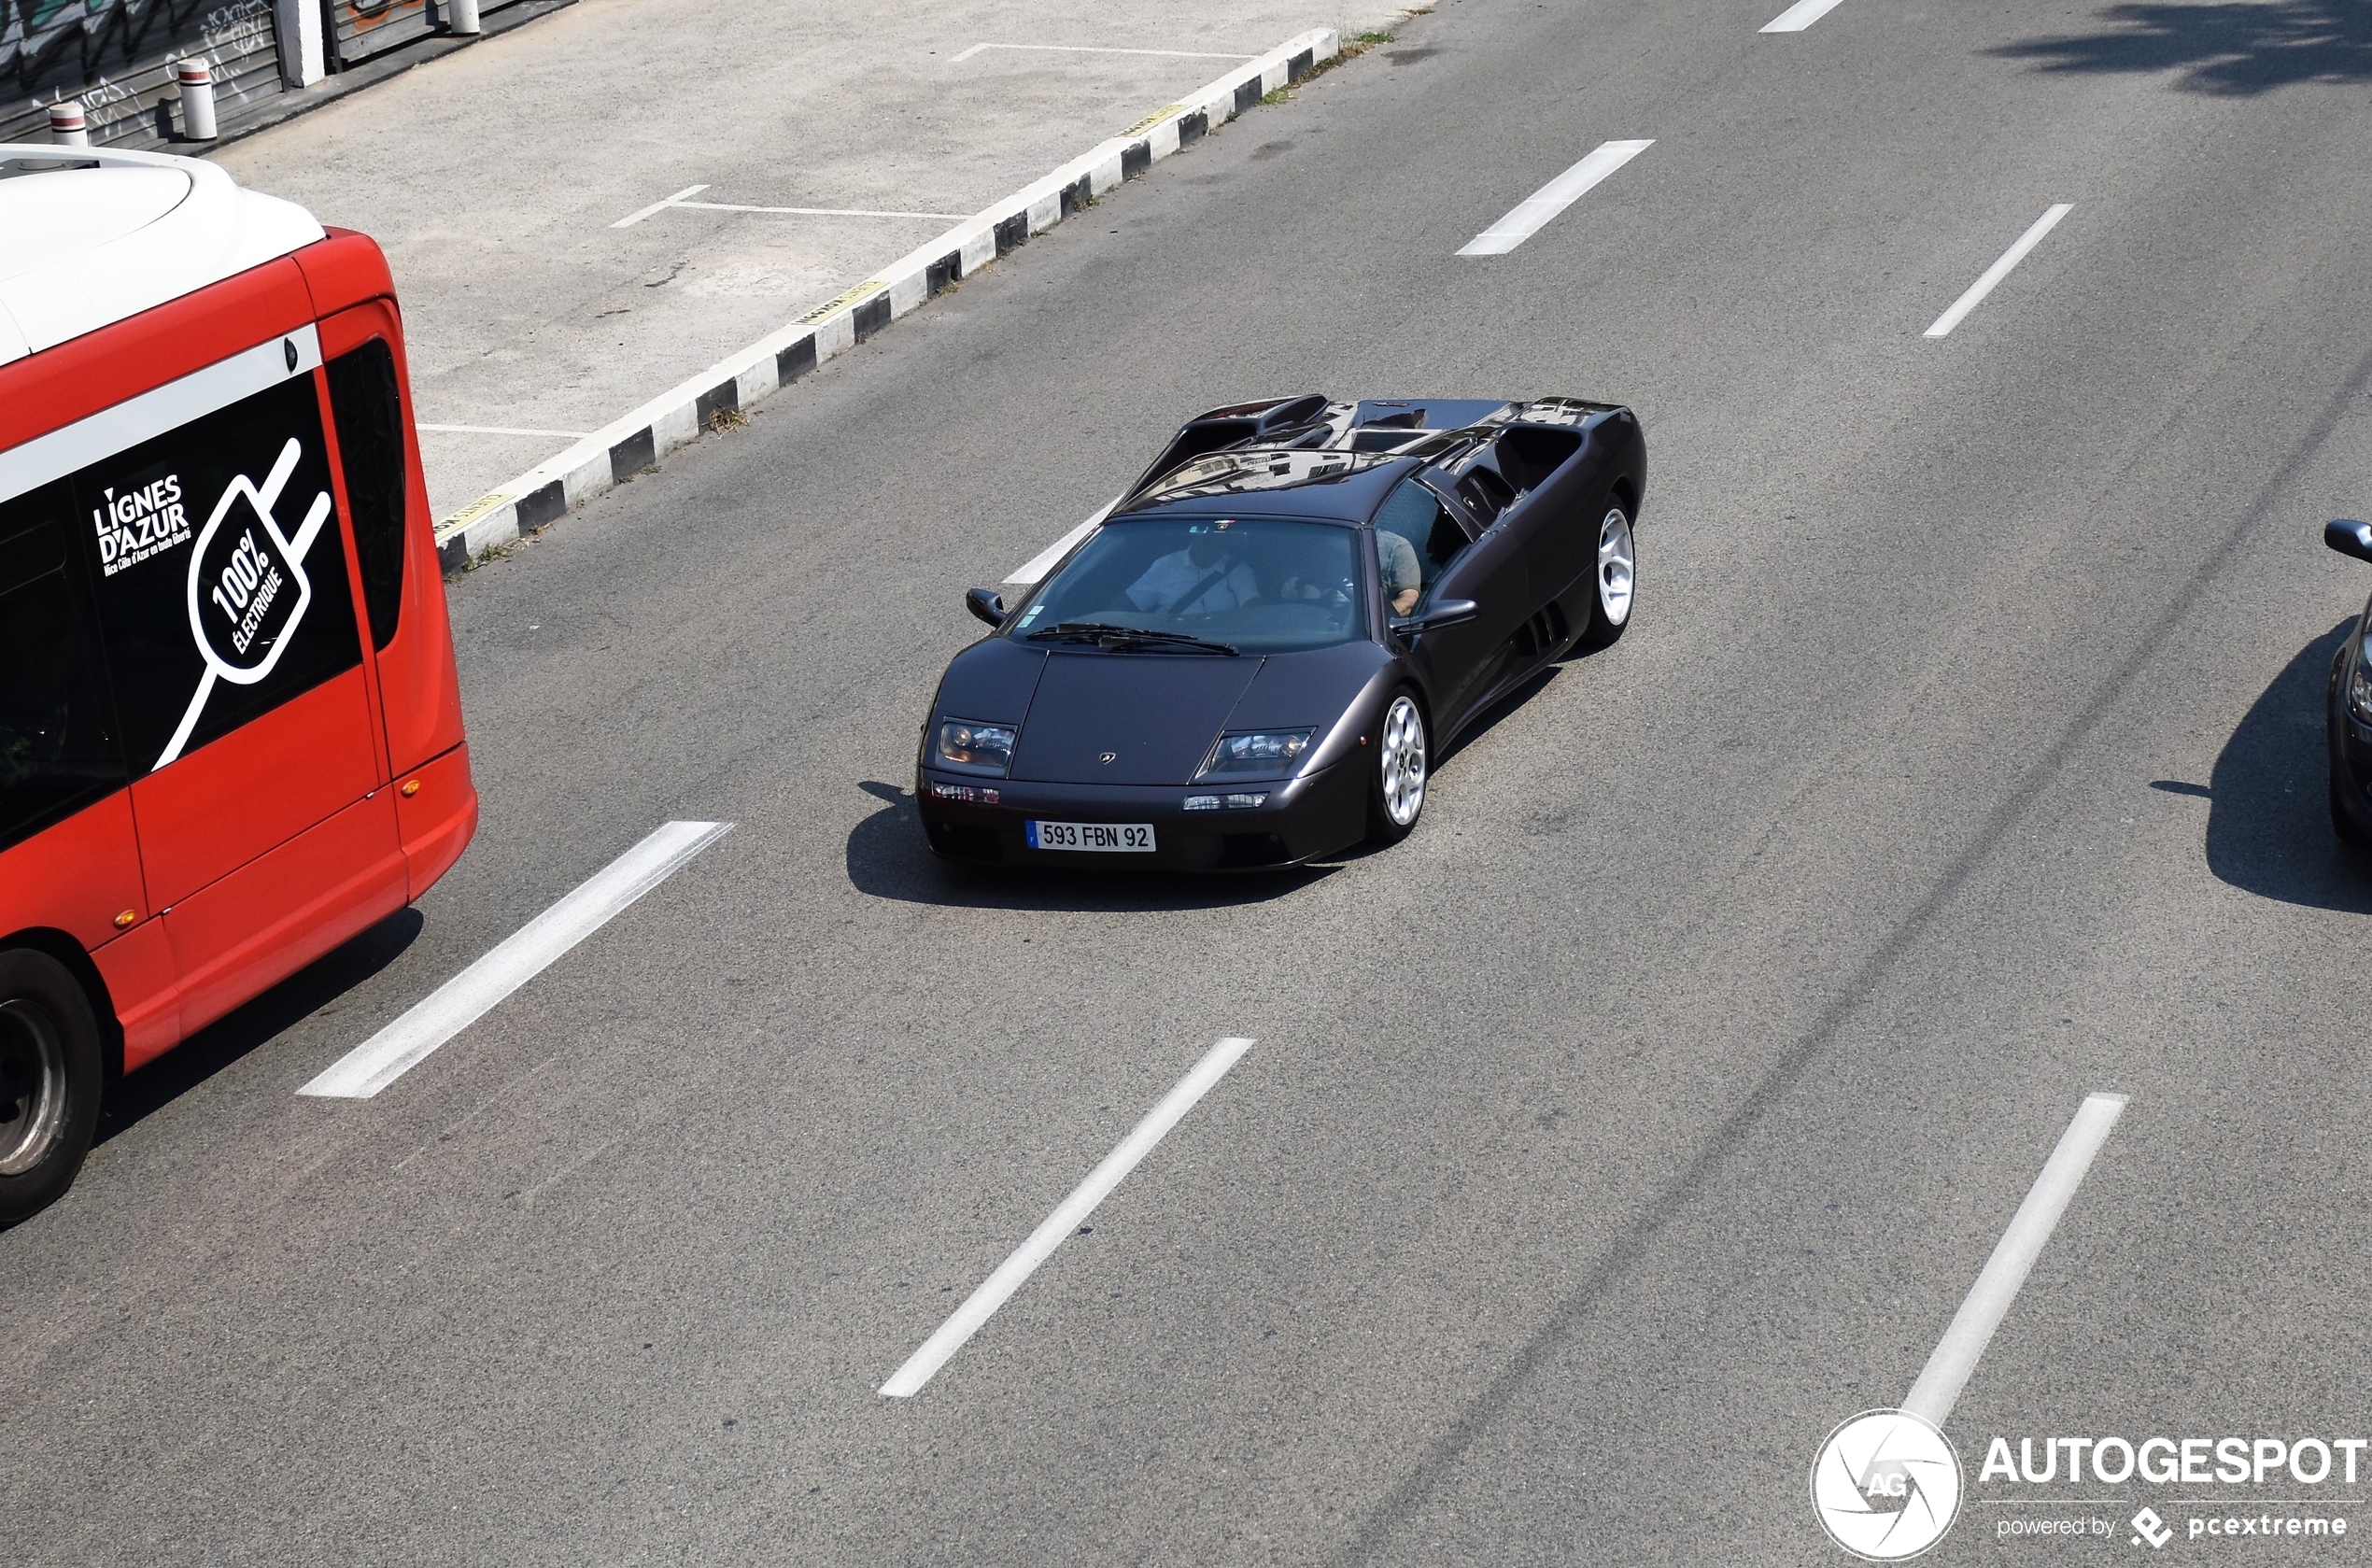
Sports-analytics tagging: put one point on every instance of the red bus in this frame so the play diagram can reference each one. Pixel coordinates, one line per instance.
(230, 724)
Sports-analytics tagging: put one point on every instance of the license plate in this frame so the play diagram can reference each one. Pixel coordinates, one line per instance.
(1118, 838)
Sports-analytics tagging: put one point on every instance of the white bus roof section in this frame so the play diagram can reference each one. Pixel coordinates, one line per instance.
(88, 236)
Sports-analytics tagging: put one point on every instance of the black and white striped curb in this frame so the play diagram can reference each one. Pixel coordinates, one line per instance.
(676, 417)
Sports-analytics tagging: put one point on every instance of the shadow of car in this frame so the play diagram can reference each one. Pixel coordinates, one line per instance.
(2268, 831)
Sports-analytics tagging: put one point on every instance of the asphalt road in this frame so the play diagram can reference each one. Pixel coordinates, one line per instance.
(1646, 1114)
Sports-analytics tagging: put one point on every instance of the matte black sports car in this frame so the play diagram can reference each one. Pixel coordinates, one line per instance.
(2348, 709)
(1254, 658)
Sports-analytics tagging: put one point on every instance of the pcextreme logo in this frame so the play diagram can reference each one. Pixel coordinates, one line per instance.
(1887, 1485)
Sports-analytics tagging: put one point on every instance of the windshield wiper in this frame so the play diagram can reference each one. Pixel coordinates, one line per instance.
(1106, 635)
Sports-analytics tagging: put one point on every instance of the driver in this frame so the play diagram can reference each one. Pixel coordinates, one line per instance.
(1403, 577)
(1203, 578)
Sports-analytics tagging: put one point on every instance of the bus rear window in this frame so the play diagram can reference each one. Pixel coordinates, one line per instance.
(58, 749)
(369, 416)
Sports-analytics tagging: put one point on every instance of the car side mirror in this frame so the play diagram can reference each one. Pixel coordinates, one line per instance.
(1447, 611)
(2348, 537)
(987, 603)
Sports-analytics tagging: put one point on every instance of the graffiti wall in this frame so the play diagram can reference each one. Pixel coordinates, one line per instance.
(360, 28)
(117, 55)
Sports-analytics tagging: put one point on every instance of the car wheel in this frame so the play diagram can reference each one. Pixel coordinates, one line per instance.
(48, 1081)
(1618, 581)
(1404, 753)
(2343, 825)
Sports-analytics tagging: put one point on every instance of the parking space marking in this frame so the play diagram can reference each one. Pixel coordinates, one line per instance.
(1800, 15)
(1954, 1358)
(683, 199)
(994, 1292)
(820, 212)
(658, 206)
(1535, 210)
(468, 996)
(495, 430)
(1077, 48)
(1999, 270)
(1038, 565)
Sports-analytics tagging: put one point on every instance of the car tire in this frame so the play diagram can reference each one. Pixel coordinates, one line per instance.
(1397, 780)
(2343, 824)
(1614, 590)
(50, 1082)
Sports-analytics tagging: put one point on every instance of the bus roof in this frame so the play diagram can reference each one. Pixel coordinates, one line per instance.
(89, 236)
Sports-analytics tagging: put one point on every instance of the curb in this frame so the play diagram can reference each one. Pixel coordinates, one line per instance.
(627, 446)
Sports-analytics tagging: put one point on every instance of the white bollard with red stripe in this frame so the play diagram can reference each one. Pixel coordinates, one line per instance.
(197, 100)
(67, 128)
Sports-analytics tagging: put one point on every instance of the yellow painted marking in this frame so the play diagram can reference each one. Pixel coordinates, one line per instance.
(1153, 119)
(838, 302)
(475, 510)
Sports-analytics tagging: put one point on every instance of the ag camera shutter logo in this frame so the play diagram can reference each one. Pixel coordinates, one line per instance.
(1887, 1485)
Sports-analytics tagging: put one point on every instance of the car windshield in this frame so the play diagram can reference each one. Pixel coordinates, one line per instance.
(1249, 584)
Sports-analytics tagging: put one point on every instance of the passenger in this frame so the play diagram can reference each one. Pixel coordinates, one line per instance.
(1202, 579)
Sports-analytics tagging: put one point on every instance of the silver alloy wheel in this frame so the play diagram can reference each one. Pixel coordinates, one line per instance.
(1617, 564)
(1403, 760)
(33, 1086)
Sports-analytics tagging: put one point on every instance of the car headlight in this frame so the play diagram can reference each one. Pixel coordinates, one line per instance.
(1255, 751)
(976, 748)
(2360, 685)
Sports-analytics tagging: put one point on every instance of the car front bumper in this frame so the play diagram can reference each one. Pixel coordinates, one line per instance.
(986, 820)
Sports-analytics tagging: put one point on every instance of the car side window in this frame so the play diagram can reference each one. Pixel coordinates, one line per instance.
(1417, 538)
(59, 751)
(369, 417)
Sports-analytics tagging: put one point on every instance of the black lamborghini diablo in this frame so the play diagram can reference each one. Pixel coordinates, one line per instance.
(1256, 656)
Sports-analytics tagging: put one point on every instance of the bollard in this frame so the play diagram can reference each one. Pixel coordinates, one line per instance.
(461, 17)
(67, 125)
(197, 100)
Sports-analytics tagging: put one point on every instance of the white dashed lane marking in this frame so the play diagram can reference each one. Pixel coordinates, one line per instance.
(1033, 571)
(1536, 209)
(474, 993)
(1999, 270)
(1937, 1389)
(1800, 15)
(993, 1293)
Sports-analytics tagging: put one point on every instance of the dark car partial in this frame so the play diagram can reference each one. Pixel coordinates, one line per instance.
(1253, 660)
(2348, 704)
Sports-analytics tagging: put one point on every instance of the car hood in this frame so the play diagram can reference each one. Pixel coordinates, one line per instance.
(1155, 715)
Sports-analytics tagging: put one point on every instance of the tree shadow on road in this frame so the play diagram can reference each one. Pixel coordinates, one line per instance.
(2226, 48)
(137, 1094)
(888, 859)
(2268, 825)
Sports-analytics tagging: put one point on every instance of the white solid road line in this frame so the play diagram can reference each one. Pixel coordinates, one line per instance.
(994, 1291)
(1999, 270)
(496, 429)
(633, 217)
(1551, 199)
(1074, 48)
(1800, 15)
(1038, 565)
(1937, 1389)
(468, 996)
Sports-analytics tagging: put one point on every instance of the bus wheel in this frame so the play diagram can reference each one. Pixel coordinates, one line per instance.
(48, 1081)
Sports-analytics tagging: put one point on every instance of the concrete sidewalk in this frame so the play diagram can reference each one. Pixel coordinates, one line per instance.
(496, 179)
